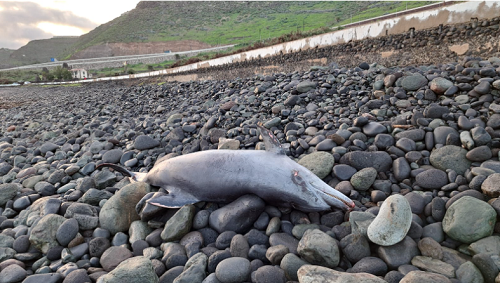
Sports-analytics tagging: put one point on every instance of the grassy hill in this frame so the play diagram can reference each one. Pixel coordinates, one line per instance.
(229, 22)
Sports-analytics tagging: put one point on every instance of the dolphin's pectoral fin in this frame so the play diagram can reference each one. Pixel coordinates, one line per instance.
(173, 200)
(271, 141)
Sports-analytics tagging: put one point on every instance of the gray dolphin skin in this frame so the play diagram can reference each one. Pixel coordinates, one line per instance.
(224, 175)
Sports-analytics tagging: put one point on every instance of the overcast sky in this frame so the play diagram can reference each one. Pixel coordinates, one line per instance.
(22, 21)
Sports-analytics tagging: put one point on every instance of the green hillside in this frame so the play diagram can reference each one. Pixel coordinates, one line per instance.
(230, 22)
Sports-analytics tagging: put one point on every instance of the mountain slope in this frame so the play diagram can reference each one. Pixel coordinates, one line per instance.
(226, 22)
(39, 51)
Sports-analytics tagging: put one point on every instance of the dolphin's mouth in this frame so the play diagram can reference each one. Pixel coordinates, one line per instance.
(350, 205)
(334, 196)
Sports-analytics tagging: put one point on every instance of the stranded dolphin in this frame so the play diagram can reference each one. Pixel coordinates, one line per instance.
(225, 175)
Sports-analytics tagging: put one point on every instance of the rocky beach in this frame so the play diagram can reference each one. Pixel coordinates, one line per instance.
(415, 147)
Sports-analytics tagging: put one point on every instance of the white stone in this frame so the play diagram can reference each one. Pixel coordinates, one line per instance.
(392, 222)
(466, 140)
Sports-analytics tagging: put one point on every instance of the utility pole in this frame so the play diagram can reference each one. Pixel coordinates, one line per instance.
(303, 24)
(260, 37)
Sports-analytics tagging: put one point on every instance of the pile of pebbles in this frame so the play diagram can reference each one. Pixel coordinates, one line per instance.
(416, 149)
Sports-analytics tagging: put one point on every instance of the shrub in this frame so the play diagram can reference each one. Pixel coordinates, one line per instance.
(5, 81)
(192, 60)
(62, 73)
(49, 77)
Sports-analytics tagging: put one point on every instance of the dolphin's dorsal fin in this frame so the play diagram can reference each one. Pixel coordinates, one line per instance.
(271, 141)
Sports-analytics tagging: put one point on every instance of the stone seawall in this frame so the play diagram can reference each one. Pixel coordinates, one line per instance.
(429, 46)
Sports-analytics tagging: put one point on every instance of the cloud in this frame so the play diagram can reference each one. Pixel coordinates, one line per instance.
(19, 22)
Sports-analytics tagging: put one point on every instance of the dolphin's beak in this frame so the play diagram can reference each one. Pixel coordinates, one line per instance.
(334, 197)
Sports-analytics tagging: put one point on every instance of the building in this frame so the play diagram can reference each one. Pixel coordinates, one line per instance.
(80, 74)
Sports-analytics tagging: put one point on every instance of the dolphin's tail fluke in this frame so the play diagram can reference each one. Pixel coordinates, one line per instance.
(138, 177)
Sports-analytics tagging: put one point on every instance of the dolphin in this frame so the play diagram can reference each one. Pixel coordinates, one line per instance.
(224, 175)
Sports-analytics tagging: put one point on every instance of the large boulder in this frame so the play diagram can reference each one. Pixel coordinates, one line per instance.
(119, 211)
(469, 219)
(43, 235)
(9, 191)
(133, 270)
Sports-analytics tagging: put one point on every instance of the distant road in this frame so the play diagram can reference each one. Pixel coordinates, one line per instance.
(84, 62)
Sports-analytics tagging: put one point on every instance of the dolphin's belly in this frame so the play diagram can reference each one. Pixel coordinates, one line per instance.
(222, 176)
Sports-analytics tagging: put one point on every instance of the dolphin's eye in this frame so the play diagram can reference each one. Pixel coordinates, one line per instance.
(296, 178)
